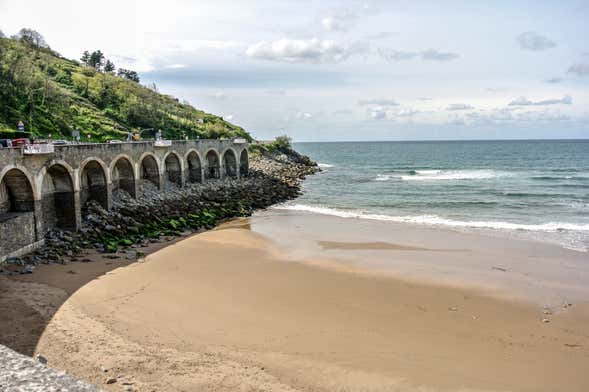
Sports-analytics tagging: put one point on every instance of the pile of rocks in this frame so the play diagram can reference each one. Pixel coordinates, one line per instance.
(153, 215)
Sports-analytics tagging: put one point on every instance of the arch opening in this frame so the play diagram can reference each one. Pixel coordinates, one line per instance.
(244, 164)
(16, 193)
(194, 168)
(58, 199)
(149, 170)
(230, 163)
(123, 177)
(93, 185)
(173, 169)
(213, 165)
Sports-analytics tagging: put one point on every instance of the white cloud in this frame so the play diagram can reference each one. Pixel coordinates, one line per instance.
(530, 40)
(554, 80)
(523, 101)
(342, 112)
(459, 106)
(334, 23)
(175, 66)
(310, 51)
(425, 55)
(381, 35)
(408, 112)
(219, 95)
(579, 69)
(303, 116)
(433, 54)
(377, 113)
(378, 101)
(396, 55)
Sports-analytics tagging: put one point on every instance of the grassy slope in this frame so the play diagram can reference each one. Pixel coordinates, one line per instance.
(54, 95)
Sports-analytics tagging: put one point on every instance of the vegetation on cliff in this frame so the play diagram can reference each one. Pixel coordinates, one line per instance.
(53, 96)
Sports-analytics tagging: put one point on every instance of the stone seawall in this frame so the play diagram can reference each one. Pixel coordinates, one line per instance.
(56, 183)
(158, 213)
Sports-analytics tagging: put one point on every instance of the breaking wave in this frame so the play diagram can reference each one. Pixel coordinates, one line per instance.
(442, 175)
(435, 220)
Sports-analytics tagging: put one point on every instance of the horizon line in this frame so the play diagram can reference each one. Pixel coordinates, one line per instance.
(443, 140)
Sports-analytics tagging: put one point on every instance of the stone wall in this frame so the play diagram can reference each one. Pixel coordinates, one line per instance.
(57, 185)
(17, 230)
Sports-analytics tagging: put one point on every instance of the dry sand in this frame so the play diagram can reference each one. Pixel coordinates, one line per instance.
(225, 310)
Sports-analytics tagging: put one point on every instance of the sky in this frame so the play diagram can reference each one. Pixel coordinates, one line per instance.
(345, 70)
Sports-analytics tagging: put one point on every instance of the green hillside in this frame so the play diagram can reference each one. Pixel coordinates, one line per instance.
(53, 96)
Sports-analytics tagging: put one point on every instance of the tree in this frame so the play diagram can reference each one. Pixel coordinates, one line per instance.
(96, 60)
(85, 58)
(109, 67)
(128, 74)
(32, 38)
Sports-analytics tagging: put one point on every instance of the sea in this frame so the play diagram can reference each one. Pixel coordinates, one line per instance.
(536, 190)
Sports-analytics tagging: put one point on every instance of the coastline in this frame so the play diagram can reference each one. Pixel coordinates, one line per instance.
(231, 308)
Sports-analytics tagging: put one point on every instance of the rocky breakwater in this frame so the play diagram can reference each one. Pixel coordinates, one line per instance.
(156, 216)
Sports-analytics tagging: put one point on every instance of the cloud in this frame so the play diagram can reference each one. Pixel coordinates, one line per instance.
(523, 101)
(424, 98)
(377, 113)
(381, 35)
(304, 51)
(378, 101)
(459, 106)
(175, 66)
(275, 92)
(219, 95)
(530, 40)
(554, 80)
(432, 54)
(303, 116)
(579, 69)
(429, 54)
(337, 23)
(342, 112)
(408, 112)
(396, 55)
(456, 120)
(504, 116)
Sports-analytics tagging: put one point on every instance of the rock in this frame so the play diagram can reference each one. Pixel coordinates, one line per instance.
(110, 380)
(28, 269)
(545, 320)
(41, 359)
(453, 309)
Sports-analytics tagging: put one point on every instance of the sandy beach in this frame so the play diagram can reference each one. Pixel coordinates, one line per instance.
(231, 309)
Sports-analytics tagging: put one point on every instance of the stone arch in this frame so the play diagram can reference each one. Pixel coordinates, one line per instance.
(213, 164)
(194, 167)
(58, 197)
(173, 168)
(123, 175)
(149, 168)
(94, 182)
(230, 163)
(244, 163)
(16, 192)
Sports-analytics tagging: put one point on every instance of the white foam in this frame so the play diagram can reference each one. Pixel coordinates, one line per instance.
(324, 165)
(439, 221)
(444, 175)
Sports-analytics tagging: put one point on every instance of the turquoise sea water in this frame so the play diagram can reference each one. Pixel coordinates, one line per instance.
(535, 189)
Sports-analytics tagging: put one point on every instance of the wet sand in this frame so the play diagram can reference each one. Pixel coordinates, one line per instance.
(231, 310)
